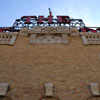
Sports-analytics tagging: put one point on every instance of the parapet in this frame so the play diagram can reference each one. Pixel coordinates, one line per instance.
(50, 34)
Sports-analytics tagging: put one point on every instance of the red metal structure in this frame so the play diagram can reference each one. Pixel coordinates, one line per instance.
(31, 21)
(6, 29)
(86, 29)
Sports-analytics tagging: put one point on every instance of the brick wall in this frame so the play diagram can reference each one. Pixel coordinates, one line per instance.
(26, 67)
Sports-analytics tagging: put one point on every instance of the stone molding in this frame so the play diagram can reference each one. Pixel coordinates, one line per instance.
(49, 35)
(8, 38)
(90, 38)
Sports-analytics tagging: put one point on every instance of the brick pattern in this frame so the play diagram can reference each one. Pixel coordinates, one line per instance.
(71, 68)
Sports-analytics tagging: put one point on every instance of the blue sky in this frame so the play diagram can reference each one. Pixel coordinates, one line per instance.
(88, 10)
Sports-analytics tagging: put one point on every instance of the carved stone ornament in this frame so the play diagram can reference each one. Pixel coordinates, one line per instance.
(49, 35)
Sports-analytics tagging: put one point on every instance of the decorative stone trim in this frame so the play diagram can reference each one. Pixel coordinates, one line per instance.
(49, 35)
(95, 89)
(8, 38)
(90, 38)
(49, 89)
(3, 88)
(49, 38)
